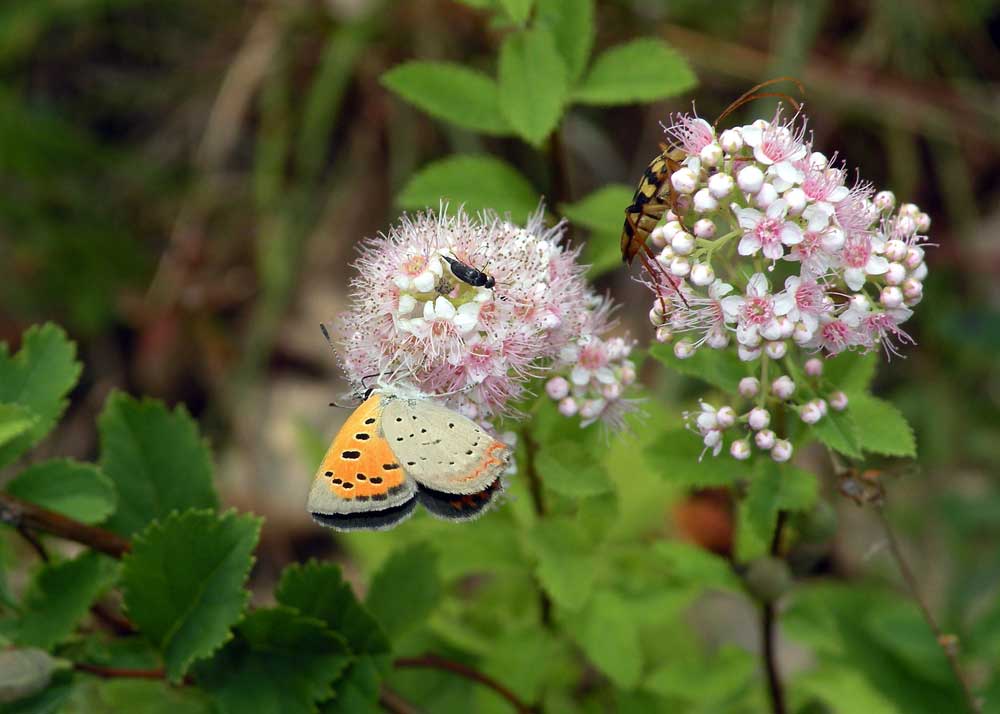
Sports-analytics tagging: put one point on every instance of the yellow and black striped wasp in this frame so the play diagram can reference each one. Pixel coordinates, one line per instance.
(653, 196)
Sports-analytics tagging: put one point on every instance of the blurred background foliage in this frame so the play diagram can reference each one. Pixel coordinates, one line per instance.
(182, 185)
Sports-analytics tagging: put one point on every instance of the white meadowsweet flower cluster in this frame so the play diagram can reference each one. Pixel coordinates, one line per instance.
(768, 251)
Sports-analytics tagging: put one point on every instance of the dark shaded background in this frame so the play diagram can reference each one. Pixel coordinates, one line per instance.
(182, 184)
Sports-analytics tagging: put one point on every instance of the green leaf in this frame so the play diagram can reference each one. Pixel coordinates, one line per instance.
(677, 456)
(711, 682)
(50, 700)
(774, 487)
(60, 595)
(642, 70)
(566, 562)
(571, 23)
(450, 92)
(74, 489)
(881, 427)
(720, 368)
(517, 10)
(570, 469)
(838, 431)
(405, 590)
(850, 371)
(533, 83)
(280, 662)
(602, 213)
(15, 420)
(184, 582)
(609, 635)
(478, 182)
(23, 672)
(156, 459)
(358, 688)
(111, 696)
(318, 590)
(38, 378)
(693, 565)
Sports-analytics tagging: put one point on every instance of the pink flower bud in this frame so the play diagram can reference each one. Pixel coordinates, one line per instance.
(896, 274)
(802, 334)
(748, 354)
(891, 297)
(731, 141)
(704, 228)
(704, 201)
(814, 367)
(702, 274)
(740, 450)
(923, 222)
(838, 401)
(782, 450)
(885, 200)
(664, 334)
(758, 418)
(670, 228)
(725, 417)
(680, 266)
(682, 243)
(920, 272)
(717, 339)
(656, 237)
(684, 180)
(750, 179)
(764, 439)
(796, 199)
(567, 407)
(776, 350)
(711, 154)
(910, 210)
(895, 250)
(912, 288)
(767, 195)
(720, 185)
(810, 412)
(557, 388)
(591, 409)
(914, 257)
(656, 317)
(749, 387)
(683, 349)
(783, 387)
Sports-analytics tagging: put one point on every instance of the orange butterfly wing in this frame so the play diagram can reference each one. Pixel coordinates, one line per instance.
(360, 483)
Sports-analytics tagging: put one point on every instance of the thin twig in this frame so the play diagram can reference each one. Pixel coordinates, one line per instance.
(24, 515)
(538, 501)
(34, 543)
(948, 643)
(395, 704)
(434, 662)
(769, 626)
(115, 622)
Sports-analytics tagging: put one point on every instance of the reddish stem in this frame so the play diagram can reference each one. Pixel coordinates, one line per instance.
(433, 662)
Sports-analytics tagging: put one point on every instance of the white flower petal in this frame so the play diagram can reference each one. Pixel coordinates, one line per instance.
(748, 217)
(855, 278)
(749, 244)
(731, 306)
(877, 265)
(778, 209)
(783, 303)
(443, 308)
(757, 285)
(429, 311)
(791, 233)
(425, 281)
(406, 304)
(787, 172)
(580, 375)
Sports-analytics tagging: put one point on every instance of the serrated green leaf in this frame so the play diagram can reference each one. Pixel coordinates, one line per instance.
(642, 70)
(60, 595)
(319, 590)
(75, 489)
(839, 432)
(608, 633)
(184, 582)
(693, 565)
(478, 182)
(521, 657)
(405, 590)
(677, 456)
(157, 460)
(24, 672)
(358, 688)
(15, 420)
(774, 487)
(38, 378)
(280, 662)
(881, 427)
(517, 10)
(570, 469)
(533, 83)
(850, 371)
(720, 368)
(116, 696)
(571, 23)
(602, 213)
(709, 681)
(450, 92)
(566, 562)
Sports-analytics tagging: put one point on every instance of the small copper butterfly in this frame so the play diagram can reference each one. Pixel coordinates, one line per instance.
(399, 448)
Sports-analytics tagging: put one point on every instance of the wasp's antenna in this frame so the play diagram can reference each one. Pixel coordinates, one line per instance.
(754, 93)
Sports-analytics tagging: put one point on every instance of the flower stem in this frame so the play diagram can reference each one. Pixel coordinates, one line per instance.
(947, 642)
(538, 501)
(433, 662)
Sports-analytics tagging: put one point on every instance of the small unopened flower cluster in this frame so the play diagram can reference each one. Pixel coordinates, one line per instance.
(413, 319)
(850, 266)
(744, 431)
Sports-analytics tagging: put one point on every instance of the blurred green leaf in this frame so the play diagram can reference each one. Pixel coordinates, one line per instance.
(881, 427)
(50, 700)
(157, 460)
(533, 83)
(774, 487)
(280, 662)
(838, 431)
(478, 182)
(850, 372)
(405, 590)
(570, 469)
(708, 681)
(571, 23)
(609, 635)
(518, 10)
(111, 696)
(693, 565)
(184, 579)
(319, 590)
(643, 70)
(602, 213)
(15, 420)
(451, 92)
(75, 489)
(38, 378)
(677, 456)
(60, 595)
(566, 562)
(720, 368)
